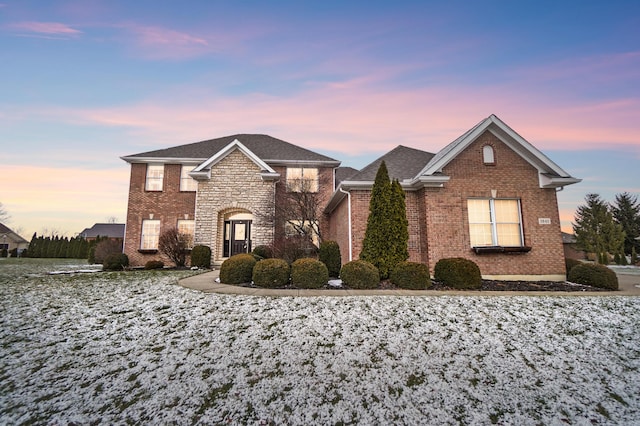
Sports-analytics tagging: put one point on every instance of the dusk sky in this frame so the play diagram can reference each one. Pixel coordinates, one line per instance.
(85, 82)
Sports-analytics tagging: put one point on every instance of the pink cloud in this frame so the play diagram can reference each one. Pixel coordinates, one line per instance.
(50, 28)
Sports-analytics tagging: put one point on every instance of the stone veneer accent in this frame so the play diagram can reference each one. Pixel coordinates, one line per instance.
(235, 187)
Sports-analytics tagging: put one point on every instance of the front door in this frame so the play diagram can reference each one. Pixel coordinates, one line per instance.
(237, 237)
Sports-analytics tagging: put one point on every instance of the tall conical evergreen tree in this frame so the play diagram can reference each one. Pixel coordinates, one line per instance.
(399, 226)
(595, 230)
(626, 212)
(387, 234)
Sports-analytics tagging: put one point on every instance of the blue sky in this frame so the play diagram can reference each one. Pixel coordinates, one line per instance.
(86, 82)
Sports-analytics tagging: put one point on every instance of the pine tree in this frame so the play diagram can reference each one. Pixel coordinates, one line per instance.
(626, 212)
(595, 230)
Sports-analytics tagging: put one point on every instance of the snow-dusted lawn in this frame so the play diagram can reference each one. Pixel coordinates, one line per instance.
(114, 348)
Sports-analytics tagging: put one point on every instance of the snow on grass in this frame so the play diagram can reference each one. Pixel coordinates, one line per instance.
(138, 348)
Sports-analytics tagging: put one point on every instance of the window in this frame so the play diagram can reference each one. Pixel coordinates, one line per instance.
(187, 228)
(187, 183)
(304, 228)
(495, 223)
(488, 155)
(150, 234)
(155, 177)
(302, 180)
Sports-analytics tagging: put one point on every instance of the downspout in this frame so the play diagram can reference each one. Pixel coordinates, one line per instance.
(349, 214)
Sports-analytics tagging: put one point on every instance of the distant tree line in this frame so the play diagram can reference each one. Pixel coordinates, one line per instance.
(609, 229)
(68, 248)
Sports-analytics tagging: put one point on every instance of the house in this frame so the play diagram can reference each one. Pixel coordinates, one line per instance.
(570, 245)
(10, 241)
(489, 196)
(114, 231)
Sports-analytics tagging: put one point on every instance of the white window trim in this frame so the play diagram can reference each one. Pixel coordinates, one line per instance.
(296, 184)
(153, 179)
(186, 180)
(191, 234)
(494, 224)
(143, 235)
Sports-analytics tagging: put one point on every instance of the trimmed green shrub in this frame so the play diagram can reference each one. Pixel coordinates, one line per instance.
(309, 273)
(201, 257)
(115, 262)
(459, 273)
(411, 275)
(237, 269)
(271, 273)
(154, 264)
(594, 275)
(264, 252)
(329, 254)
(360, 274)
(570, 263)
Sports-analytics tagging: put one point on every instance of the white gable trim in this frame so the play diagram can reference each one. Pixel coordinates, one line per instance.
(512, 139)
(203, 171)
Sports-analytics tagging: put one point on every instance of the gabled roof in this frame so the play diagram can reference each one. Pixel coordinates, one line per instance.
(551, 175)
(203, 171)
(344, 173)
(5, 230)
(111, 230)
(402, 163)
(269, 149)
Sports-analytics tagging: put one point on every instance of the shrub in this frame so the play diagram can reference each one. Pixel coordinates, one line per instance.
(174, 245)
(105, 248)
(271, 273)
(329, 254)
(411, 275)
(293, 247)
(237, 269)
(309, 273)
(154, 264)
(360, 274)
(4, 253)
(201, 257)
(594, 275)
(570, 263)
(264, 252)
(457, 272)
(115, 262)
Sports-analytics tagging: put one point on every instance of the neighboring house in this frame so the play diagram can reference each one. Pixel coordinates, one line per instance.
(114, 231)
(489, 196)
(9, 240)
(571, 251)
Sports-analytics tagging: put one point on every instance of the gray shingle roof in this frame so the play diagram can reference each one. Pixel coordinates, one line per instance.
(266, 147)
(111, 230)
(402, 163)
(344, 173)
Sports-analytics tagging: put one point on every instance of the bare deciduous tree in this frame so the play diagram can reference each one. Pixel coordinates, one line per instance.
(174, 245)
(4, 215)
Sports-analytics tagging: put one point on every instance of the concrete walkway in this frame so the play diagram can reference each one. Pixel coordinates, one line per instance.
(629, 286)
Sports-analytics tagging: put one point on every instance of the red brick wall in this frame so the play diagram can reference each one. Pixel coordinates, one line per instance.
(511, 177)
(168, 206)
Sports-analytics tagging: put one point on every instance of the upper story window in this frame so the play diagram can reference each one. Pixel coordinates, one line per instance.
(495, 222)
(488, 155)
(187, 228)
(155, 177)
(302, 179)
(187, 183)
(150, 234)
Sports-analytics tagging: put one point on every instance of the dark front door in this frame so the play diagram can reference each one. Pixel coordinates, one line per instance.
(237, 237)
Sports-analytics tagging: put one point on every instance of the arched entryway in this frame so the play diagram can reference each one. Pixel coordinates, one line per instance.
(237, 236)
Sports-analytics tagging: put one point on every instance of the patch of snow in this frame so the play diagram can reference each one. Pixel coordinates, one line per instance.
(118, 348)
(335, 283)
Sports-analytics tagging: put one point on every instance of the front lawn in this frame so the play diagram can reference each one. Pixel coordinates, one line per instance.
(135, 347)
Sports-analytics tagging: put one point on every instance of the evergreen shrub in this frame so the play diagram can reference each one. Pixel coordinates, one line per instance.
(329, 254)
(271, 273)
(309, 273)
(115, 262)
(360, 274)
(570, 263)
(411, 275)
(201, 257)
(459, 273)
(154, 264)
(594, 275)
(237, 269)
(263, 251)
